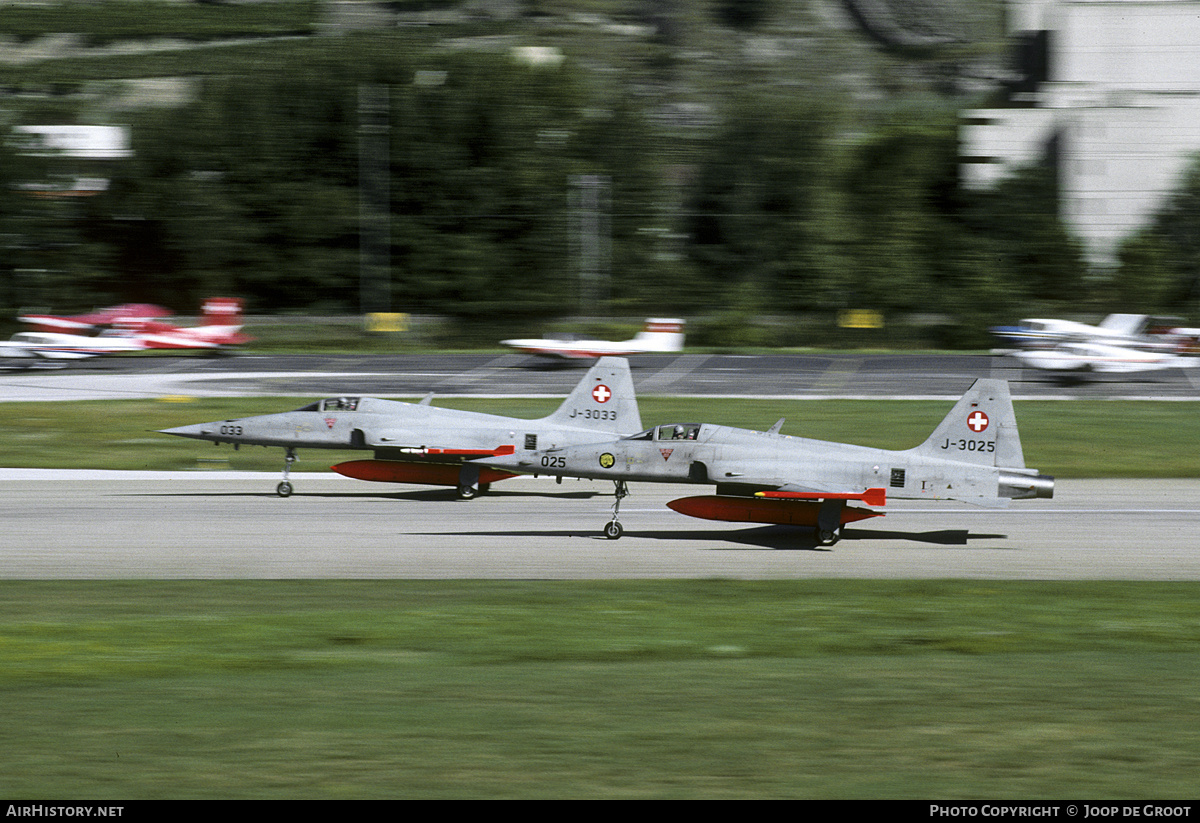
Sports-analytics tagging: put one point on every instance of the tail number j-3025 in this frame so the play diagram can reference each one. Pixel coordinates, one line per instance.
(970, 445)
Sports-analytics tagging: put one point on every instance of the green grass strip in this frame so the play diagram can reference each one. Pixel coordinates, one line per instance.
(619, 689)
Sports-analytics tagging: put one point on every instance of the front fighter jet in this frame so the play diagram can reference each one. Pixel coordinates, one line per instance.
(421, 443)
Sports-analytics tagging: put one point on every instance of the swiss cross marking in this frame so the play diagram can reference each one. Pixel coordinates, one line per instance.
(601, 393)
(977, 421)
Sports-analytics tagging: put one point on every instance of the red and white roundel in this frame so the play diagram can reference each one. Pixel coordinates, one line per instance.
(601, 393)
(977, 421)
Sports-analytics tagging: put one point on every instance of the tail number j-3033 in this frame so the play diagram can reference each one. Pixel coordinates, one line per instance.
(593, 414)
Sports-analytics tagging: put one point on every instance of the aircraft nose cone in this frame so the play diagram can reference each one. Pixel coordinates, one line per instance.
(199, 431)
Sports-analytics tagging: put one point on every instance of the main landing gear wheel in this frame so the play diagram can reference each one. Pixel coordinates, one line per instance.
(468, 492)
(829, 522)
(827, 537)
(284, 489)
(613, 530)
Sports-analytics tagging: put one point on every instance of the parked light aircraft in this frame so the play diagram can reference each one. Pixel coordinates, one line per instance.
(419, 443)
(127, 315)
(1038, 332)
(37, 347)
(974, 456)
(128, 328)
(1101, 358)
(1121, 344)
(53, 340)
(658, 335)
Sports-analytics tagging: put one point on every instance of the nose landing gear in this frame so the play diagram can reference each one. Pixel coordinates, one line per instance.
(613, 530)
(284, 489)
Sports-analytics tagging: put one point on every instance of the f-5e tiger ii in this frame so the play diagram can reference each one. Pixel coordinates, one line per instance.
(421, 443)
(974, 456)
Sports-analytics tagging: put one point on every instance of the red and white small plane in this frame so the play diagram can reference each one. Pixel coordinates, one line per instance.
(658, 335)
(119, 329)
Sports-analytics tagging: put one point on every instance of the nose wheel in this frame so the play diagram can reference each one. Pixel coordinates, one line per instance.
(613, 530)
(285, 489)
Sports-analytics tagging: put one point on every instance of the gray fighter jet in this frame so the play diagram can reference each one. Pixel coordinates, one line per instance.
(420, 443)
(974, 455)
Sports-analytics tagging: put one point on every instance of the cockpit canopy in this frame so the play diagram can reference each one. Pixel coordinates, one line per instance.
(671, 431)
(331, 404)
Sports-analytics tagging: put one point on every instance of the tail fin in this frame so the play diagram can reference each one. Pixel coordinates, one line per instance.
(981, 428)
(222, 311)
(604, 400)
(661, 334)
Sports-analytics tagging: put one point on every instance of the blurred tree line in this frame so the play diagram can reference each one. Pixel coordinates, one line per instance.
(785, 204)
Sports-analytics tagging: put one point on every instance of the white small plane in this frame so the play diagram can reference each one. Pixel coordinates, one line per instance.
(1120, 344)
(1101, 358)
(1037, 332)
(658, 335)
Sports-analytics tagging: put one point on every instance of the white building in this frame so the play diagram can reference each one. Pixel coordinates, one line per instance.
(1112, 95)
(87, 142)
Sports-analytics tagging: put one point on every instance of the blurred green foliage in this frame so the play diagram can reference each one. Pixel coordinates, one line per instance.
(733, 190)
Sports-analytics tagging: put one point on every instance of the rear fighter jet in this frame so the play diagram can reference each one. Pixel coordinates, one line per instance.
(420, 443)
(974, 455)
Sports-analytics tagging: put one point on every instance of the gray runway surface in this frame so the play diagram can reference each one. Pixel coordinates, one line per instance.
(944, 376)
(120, 525)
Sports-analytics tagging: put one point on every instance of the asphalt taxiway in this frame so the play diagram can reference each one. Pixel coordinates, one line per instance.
(823, 375)
(172, 525)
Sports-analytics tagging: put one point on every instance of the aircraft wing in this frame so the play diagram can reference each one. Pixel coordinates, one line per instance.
(568, 349)
(191, 339)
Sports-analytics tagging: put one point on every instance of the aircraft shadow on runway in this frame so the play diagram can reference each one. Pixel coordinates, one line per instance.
(424, 495)
(788, 538)
(776, 538)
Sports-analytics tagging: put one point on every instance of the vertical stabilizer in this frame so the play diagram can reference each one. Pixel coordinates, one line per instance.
(604, 400)
(661, 335)
(981, 428)
(222, 311)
